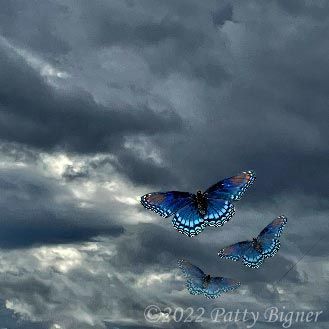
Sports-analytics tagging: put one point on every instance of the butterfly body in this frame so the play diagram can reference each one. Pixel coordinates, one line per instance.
(199, 283)
(193, 212)
(257, 245)
(206, 281)
(253, 253)
(201, 203)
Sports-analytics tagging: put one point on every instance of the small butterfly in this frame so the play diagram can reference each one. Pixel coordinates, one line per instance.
(193, 212)
(199, 283)
(254, 252)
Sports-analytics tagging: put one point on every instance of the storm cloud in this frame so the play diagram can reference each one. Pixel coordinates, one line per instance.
(101, 102)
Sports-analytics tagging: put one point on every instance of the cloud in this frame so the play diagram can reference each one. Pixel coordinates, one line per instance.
(223, 14)
(71, 173)
(38, 210)
(103, 102)
(34, 113)
(40, 25)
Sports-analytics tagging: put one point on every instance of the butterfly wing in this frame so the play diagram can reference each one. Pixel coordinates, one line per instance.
(188, 220)
(270, 247)
(235, 251)
(218, 212)
(252, 258)
(232, 188)
(275, 228)
(228, 284)
(195, 281)
(269, 236)
(166, 203)
(218, 285)
(194, 277)
(243, 250)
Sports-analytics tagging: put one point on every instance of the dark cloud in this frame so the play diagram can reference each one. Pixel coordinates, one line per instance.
(144, 171)
(167, 36)
(223, 14)
(150, 244)
(40, 32)
(314, 10)
(145, 34)
(36, 210)
(160, 95)
(34, 113)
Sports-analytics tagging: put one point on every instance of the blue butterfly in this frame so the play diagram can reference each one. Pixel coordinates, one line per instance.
(254, 252)
(198, 283)
(193, 212)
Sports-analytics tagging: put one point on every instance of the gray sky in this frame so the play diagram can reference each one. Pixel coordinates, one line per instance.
(103, 101)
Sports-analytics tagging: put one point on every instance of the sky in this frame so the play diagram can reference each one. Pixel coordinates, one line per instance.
(103, 101)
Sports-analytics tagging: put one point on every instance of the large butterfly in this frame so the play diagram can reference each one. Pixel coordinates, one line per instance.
(199, 283)
(193, 212)
(254, 252)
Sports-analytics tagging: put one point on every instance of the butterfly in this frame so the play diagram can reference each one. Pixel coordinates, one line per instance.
(253, 253)
(199, 283)
(193, 212)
